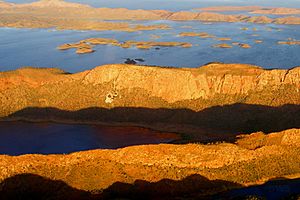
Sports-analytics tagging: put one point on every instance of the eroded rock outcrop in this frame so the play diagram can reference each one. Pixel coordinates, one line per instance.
(190, 84)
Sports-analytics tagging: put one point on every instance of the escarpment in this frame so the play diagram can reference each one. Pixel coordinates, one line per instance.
(216, 97)
(173, 85)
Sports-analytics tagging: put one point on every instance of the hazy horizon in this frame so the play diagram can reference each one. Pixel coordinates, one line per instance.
(178, 4)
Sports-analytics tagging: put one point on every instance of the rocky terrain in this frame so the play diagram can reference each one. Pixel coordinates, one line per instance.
(198, 103)
(154, 171)
(86, 46)
(206, 106)
(64, 15)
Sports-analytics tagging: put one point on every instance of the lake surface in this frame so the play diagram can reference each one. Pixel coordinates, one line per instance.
(37, 47)
(18, 138)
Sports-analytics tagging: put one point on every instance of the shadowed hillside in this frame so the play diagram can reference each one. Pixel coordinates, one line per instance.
(211, 124)
(34, 187)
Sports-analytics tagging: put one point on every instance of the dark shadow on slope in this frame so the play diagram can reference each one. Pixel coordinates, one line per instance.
(199, 187)
(194, 186)
(234, 119)
(276, 189)
(34, 187)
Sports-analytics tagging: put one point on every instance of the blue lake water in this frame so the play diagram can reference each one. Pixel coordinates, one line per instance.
(37, 47)
(18, 138)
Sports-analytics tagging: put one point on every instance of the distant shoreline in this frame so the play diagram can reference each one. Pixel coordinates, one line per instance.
(74, 16)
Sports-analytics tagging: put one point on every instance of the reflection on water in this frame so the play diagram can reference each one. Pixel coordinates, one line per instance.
(37, 47)
(18, 138)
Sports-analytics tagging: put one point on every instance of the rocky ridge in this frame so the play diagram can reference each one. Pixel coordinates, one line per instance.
(183, 83)
(200, 103)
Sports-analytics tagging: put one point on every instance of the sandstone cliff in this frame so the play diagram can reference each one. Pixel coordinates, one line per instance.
(169, 84)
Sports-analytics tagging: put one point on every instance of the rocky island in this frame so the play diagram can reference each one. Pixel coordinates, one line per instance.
(194, 34)
(290, 41)
(85, 46)
(223, 45)
(212, 103)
